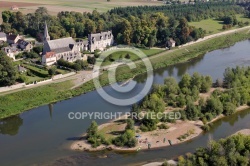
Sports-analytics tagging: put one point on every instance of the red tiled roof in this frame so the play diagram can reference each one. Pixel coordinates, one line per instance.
(50, 54)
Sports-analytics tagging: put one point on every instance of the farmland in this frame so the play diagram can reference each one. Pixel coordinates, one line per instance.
(55, 6)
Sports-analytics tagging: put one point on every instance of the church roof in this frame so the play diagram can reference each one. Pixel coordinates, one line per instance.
(46, 31)
(61, 43)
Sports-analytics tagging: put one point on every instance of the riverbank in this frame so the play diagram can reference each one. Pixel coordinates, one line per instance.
(157, 138)
(176, 133)
(18, 102)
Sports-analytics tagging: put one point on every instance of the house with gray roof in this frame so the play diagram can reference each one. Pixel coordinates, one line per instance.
(100, 40)
(3, 37)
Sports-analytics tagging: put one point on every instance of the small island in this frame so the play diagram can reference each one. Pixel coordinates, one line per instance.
(196, 99)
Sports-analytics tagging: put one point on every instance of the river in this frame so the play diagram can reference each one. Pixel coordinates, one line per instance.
(42, 136)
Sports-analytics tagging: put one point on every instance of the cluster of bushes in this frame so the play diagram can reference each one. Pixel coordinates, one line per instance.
(230, 151)
(25, 54)
(94, 138)
(126, 139)
(77, 65)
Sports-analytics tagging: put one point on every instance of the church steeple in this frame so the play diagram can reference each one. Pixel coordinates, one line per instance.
(46, 36)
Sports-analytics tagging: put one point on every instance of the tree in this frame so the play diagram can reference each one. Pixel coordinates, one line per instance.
(130, 124)
(185, 81)
(191, 111)
(38, 49)
(91, 60)
(97, 53)
(7, 70)
(229, 108)
(52, 71)
(127, 56)
(92, 130)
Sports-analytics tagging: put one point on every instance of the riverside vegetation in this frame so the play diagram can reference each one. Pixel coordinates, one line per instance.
(233, 150)
(18, 102)
(193, 97)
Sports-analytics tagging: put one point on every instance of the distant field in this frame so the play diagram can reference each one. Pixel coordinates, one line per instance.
(214, 26)
(56, 6)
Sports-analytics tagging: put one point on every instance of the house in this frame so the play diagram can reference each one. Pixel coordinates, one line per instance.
(3, 37)
(11, 51)
(171, 43)
(21, 69)
(49, 58)
(14, 7)
(65, 48)
(100, 40)
(24, 45)
(13, 39)
(83, 45)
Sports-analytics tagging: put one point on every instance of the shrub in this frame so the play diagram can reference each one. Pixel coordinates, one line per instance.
(206, 127)
(163, 126)
(229, 108)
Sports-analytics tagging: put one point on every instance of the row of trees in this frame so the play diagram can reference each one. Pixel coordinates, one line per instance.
(230, 151)
(197, 12)
(142, 26)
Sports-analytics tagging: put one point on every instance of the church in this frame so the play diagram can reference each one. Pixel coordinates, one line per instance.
(69, 50)
(53, 50)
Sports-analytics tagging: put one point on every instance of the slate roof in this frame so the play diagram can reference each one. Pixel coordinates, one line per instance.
(23, 42)
(12, 37)
(100, 36)
(21, 69)
(59, 45)
(2, 34)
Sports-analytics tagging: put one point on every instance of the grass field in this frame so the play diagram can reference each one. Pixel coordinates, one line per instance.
(214, 26)
(211, 26)
(133, 57)
(56, 6)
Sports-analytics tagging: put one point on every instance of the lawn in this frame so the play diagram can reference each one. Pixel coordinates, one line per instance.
(152, 51)
(240, 17)
(214, 26)
(116, 55)
(15, 103)
(33, 79)
(36, 69)
(210, 25)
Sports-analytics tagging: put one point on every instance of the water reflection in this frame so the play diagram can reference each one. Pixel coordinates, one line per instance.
(51, 110)
(10, 126)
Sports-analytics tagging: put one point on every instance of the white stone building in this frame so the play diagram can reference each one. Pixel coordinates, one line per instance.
(100, 40)
(11, 51)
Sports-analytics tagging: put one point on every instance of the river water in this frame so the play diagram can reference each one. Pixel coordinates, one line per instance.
(42, 136)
